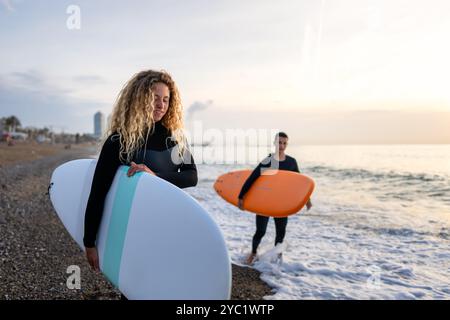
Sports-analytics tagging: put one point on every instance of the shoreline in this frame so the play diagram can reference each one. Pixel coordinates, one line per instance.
(35, 249)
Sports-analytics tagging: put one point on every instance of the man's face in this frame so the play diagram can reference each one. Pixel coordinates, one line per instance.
(281, 143)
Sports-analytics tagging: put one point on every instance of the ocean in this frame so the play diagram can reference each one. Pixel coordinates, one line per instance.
(379, 227)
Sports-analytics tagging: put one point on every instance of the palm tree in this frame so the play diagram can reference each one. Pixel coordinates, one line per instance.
(12, 123)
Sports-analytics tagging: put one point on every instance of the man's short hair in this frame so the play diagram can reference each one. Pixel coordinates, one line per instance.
(281, 134)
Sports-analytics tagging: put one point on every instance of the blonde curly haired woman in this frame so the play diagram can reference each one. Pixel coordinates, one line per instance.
(146, 132)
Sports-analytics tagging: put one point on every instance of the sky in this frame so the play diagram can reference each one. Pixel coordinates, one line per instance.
(342, 71)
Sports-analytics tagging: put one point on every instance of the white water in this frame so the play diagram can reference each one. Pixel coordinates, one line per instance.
(379, 228)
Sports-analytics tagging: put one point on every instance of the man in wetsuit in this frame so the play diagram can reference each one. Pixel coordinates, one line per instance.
(281, 161)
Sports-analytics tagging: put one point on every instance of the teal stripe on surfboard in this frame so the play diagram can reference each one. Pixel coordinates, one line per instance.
(118, 225)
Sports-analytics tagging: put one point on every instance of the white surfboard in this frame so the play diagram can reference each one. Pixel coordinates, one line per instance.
(154, 241)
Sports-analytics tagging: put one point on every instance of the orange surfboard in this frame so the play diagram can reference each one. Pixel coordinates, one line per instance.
(276, 193)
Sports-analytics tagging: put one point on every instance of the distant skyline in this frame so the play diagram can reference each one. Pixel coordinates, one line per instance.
(99, 124)
(348, 71)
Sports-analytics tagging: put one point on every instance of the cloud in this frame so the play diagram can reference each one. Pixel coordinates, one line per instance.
(28, 78)
(89, 79)
(30, 97)
(33, 81)
(198, 106)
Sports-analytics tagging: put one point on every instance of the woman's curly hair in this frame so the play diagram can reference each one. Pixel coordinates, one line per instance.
(133, 113)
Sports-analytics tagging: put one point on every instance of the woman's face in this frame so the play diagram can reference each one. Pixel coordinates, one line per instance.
(161, 97)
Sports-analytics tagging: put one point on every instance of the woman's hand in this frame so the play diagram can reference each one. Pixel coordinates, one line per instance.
(92, 257)
(138, 168)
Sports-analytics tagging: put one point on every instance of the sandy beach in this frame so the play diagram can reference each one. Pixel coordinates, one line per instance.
(35, 249)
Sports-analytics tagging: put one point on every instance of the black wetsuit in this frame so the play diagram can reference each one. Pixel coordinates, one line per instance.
(289, 164)
(156, 155)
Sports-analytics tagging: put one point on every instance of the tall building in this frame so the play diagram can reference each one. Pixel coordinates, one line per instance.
(99, 124)
(108, 121)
